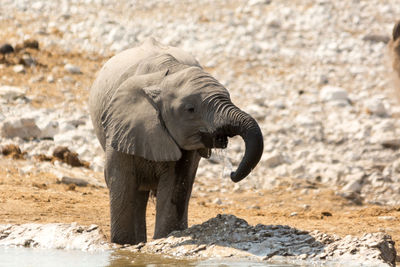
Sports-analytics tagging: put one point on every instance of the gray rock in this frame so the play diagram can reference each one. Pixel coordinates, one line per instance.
(24, 128)
(396, 166)
(273, 160)
(376, 107)
(72, 69)
(10, 93)
(36, 79)
(298, 169)
(75, 181)
(28, 60)
(217, 201)
(377, 38)
(49, 129)
(333, 93)
(354, 182)
(393, 143)
(353, 186)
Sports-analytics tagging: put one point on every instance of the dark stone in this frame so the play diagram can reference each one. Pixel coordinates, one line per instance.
(6, 49)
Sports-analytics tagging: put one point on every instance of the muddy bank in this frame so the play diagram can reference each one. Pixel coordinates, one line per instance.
(227, 236)
(223, 237)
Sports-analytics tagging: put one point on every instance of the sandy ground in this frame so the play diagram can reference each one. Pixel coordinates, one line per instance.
(39, 198)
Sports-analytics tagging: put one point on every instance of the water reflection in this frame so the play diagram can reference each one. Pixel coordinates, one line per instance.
(126, 258)
(122, 258)
(24, 257)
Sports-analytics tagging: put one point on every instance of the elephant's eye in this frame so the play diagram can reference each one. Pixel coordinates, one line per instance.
(190, 108)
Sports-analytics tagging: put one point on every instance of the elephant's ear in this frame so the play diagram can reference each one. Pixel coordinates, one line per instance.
(133, 125)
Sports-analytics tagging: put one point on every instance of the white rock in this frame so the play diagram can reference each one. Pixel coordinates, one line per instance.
(68, 79)
(50, 79)
(217, 201)
(19, 68)
(353, 186)
(50, 129)
(386, 139)
(258, 2)
(396, 166)
(26, 170)
(387, 218)
(305, 120)
(36, 79)
(297, 169)
(278, 104)
(24, 128)
(11, 92)
(273, 160)
(72, 69)
(333, 93)
(376, 107)
(256, 111)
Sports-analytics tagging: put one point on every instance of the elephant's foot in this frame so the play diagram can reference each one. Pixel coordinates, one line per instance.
(121, 237)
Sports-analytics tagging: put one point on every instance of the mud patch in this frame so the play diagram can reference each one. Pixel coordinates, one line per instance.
(13, 151)
(227, 236)
(71, 158)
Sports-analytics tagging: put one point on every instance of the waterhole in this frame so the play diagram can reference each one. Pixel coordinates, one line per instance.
(23, 257)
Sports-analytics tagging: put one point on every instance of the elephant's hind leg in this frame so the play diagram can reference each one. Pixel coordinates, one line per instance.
(127, 203)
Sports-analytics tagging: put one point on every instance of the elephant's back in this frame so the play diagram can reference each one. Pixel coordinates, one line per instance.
(120, 67)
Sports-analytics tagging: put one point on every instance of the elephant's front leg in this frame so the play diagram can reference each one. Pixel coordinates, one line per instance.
(127, 203)
(173, 193)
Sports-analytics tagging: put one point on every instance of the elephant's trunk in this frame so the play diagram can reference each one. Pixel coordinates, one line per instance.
(232, 121)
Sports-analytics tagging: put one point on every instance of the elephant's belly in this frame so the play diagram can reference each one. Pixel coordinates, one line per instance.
(148, 186)
(148, 173)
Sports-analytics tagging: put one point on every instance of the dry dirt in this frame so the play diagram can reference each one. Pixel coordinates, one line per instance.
(39, 198)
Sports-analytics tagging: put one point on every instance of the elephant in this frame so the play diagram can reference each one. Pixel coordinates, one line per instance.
(156, 112)
(394, 47)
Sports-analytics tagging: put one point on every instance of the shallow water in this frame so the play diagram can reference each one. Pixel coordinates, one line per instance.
(25, 257)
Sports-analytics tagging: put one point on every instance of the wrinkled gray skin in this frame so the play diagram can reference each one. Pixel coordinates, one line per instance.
(156, 112)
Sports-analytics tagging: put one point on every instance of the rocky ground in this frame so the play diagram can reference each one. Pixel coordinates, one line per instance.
(313, 73)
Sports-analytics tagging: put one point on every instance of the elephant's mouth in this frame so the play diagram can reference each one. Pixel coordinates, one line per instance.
(214, 140)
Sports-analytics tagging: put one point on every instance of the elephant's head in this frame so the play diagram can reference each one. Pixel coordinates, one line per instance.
(167, 106)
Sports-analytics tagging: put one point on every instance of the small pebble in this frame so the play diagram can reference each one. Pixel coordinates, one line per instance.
(72, 69)
(19, 68)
